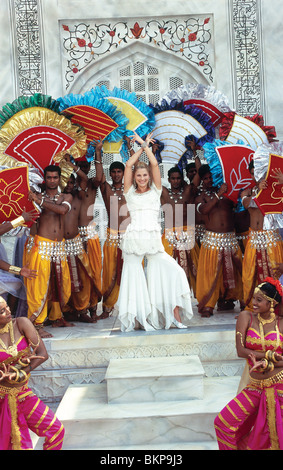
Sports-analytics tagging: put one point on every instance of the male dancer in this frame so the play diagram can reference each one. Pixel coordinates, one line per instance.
(47, 255)
(264, 249)
(220, 258)
(82, 279)
(118, 219)
(179, 238)
(87, 229)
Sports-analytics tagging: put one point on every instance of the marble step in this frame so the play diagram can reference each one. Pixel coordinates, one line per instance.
(154, 379)
(92, 423)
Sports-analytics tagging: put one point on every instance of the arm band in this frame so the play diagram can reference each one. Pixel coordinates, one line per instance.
(68, 204)
(17, 222)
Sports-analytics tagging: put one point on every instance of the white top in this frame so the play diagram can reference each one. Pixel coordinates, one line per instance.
(143, 234)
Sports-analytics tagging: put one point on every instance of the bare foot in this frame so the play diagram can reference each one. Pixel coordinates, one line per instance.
(206, 312)
(85, 318)
(106, 313)
(61, 323)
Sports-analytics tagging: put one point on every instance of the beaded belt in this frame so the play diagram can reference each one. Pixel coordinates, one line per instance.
(74, 246)
(264, 383)
(88, 232)
(30, 243)
(220, 241)
(263, 238)
(181, 239)
(114, 238)
(199, 232)
(52, 250)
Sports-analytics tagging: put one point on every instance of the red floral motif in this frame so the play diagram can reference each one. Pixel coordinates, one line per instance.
(162, 30)
(81, 42)
(183, 40)
(276, 284)
(202, 63)
(112, 33)
(136, 30)
(192, 37)
(207, 20)
(75, 70)
(65, 27)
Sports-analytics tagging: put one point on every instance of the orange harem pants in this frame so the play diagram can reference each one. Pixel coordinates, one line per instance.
(186, 258)
(263, 251)
(219, 269)
(86, 285)
(112, 268)
(21, 410)
(52, 283)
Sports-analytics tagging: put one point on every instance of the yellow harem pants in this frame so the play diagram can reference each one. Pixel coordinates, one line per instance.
(186, 258)
(86, 284)
(53, 281)
(263, 251)
(112, 268)
(219, 269)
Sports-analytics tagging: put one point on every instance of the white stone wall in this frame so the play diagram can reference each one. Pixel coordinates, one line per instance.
(41, 54)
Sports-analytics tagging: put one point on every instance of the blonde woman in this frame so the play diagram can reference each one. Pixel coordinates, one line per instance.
(162, 296)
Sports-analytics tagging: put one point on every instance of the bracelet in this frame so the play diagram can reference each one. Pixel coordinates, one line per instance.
(268, 355)
(273, 357)
(216, 195)
(97, 161)
(14, 270)
(42, 201)
(266, 365)
(270, 367)
(17, 222)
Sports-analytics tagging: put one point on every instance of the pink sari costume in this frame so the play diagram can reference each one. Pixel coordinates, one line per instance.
(21, 410)
(254, 419)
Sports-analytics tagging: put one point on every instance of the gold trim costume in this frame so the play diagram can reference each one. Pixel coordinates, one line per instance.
(82, 277)
(91, 241)
(53, 281)
(219, 269)
(264, 250)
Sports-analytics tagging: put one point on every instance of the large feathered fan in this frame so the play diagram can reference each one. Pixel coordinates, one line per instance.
(14, 189)
(99, 118)
(174, 122)
(38, 136)
(270, 200)
(230, 164)
(140, 115)
(207, 98)
(251, 130)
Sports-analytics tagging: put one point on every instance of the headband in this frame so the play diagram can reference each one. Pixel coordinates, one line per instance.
(264, 295)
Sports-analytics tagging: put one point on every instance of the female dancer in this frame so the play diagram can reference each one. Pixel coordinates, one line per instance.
(253, 420)
(20, 409)
(158, 300)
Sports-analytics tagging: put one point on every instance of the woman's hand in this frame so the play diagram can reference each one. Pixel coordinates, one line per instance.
(257, 364)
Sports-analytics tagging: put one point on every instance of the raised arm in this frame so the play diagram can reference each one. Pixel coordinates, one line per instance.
(156, 177)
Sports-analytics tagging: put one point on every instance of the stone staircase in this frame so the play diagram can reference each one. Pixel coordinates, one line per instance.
(146, 404)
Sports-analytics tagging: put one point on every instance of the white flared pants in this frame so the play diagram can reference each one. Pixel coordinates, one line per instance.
(151, 298)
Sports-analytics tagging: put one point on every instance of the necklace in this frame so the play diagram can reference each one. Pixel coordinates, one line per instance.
(266, 322)
(11, 350)
(118, 189)
(263, 322)
(52, 198)
(176, 196)
(5, 329)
